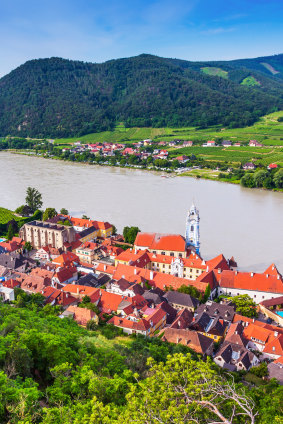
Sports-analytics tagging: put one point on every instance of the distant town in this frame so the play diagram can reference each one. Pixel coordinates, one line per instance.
(155, 285)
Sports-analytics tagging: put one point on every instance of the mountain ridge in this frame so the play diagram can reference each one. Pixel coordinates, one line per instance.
(55, 97)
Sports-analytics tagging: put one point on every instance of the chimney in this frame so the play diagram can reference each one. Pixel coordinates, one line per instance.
(236, 332)
(267, 275)
(276, 333)
(278, 277)
(252, 274)
(151, 275)
(179, 323)
(207, 268)
(135, 271)
(104, 268)
(236, 272)
(253, 320)
(78, 290)
(219, 270)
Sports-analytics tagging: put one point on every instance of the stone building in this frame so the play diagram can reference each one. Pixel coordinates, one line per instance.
(40, 234)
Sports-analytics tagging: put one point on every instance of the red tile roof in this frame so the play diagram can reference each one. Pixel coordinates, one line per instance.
(156, 241)
(251, 281)
(81, 315)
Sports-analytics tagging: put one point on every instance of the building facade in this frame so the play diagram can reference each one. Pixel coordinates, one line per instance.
(40, 234)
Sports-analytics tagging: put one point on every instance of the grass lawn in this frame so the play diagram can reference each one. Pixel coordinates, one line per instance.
(100, 341)
(216, 72)
(253, 379)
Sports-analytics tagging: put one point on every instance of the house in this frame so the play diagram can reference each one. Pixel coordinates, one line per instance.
(258, 286)
(64, 276)
(195, 341)
(237, 144)
(14, 245)
(124, 288)
(88, 234)
(58, 297)
(181, 300)
(182, 319)
(226, 143)
(267, 341)
(79, 292)
(47, 253)
(151, 322)
(187, 143)
(222, 311)
(272, 166)
(82, 315)
(254, 143)
(182, 159)
(210, 143)
(16, 262)
(235, 358)
(162, 244)
(66, 259)
(249, 166)
(36, 281)
(214, 328)
(86, 251)
(7, 294)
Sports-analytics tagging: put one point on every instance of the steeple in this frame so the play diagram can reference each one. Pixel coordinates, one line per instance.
(192, 229)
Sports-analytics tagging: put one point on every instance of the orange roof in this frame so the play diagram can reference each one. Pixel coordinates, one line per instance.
(218, 262)
(156, 241)
(275, 346)
(109, 301)
(66, 259)
(251, 281)
(81, 315)
(279, 360)
(81, 291)
(140, 325)
(106, 269)
(272, 270)
(158, 279)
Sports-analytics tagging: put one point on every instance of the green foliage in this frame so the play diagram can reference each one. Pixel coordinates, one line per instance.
(130, 234)
(244, 305)
(10, 233)
(49, 213)
(23, 210)
(191, 290)
(28, 246)
(58, 98)
(278, 178)
(64, 211)
(260, 371)
(250, 81)
(33, 199)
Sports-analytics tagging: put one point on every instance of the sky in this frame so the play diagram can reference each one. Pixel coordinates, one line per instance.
(96, 30)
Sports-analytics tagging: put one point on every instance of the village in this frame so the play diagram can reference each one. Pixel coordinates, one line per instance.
(159, 286)
(151, 152)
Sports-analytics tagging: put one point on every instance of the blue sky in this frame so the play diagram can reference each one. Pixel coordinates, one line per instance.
(95, 30)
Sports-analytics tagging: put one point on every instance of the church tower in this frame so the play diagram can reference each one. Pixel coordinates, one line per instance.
(192, 229)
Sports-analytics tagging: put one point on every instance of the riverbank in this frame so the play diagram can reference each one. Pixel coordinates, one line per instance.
(193, 172)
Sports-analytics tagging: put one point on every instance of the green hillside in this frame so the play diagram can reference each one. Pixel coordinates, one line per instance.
(61, 98)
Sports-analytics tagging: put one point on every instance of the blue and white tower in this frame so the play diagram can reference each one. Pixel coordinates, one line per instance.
(192, 229)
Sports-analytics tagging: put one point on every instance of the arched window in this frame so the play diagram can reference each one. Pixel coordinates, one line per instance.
(192, 228)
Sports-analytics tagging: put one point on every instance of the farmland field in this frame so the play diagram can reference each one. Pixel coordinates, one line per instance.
(268, 130)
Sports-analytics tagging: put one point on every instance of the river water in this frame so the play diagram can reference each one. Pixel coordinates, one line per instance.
(245, 223)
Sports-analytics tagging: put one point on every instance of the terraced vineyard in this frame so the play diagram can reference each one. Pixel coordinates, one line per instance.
(268, 130)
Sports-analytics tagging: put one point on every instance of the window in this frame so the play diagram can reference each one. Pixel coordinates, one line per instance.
(192, 228)
(162, 253)
(171, 253)
(180, 255)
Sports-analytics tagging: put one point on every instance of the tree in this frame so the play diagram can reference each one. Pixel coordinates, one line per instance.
(28, 246)
(244, 305)
(130, 234)
(10, 233)
(64, 211)
(114, 230)
(278, 178)
(23, 210)
(33, 199)
(247, 180)
(184, 390)
(85, 217)
(49, 213)
(206, 293)
(259, 177)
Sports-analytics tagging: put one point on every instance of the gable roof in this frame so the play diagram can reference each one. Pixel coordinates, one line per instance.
(157, 241)
(182, 299)
(251, 281)
(198, 342)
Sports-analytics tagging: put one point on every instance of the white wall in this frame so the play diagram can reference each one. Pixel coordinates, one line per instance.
(257, 296)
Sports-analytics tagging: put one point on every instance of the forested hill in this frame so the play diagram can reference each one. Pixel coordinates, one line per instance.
(57, 97)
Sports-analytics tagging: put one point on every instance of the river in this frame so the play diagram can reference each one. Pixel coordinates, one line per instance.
(245, 223)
